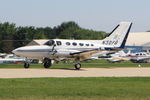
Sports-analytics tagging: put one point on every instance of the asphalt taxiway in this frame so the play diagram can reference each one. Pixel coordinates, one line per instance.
(84, 72)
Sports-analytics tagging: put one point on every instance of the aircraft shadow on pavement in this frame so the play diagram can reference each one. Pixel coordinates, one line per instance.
(70, 69)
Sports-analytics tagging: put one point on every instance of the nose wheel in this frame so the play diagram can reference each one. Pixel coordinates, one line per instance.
(26, 65)
(77, 66)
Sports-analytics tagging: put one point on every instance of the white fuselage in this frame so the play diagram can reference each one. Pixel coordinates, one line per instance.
(62, 49)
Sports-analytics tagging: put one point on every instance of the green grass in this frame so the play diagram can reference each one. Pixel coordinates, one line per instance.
(75, 89)
(84, 65)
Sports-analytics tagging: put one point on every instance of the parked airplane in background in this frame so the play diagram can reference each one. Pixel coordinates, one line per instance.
(2, 55)
(76, 49)
(140, 57)
(10, 58)
(119, 56)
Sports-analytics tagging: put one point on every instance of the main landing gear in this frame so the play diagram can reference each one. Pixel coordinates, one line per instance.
(47, 62)
(77, 66)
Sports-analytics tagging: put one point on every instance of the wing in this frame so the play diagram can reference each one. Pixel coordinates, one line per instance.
(84, 54)
(88, 53)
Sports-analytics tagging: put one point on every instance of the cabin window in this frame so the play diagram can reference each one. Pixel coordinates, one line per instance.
(81, 44)
(87, 44)
(50, 43)
(92, 45)
(74, 44)
(67, 43)
(58, 42)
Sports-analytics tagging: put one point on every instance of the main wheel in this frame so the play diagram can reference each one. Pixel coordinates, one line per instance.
(26, 65)
(77, 66)
(47, 63)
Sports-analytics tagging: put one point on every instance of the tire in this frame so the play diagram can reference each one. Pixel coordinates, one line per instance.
(47, 63)
(77, 66)
(26, 65)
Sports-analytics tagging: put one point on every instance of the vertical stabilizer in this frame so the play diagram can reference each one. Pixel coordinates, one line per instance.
(118, 36)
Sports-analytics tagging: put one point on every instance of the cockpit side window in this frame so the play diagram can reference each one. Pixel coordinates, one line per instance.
(58, 42)
(50, 43)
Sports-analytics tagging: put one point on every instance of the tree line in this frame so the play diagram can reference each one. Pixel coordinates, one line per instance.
(12, 37)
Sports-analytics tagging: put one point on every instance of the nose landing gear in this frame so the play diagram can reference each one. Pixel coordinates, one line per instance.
(27, 63)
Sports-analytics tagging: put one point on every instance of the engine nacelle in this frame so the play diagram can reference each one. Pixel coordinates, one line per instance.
(65, 52)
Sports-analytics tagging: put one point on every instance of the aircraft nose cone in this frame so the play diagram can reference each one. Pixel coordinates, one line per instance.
(14, 51)
(19, 51)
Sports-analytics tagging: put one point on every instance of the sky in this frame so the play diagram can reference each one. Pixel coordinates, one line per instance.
(99, 15)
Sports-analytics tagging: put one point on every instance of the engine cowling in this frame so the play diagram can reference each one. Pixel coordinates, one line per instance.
(65, 52)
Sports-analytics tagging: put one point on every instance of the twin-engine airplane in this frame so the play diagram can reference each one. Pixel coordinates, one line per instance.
(78, 50)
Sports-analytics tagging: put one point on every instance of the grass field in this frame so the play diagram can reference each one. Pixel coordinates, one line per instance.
(84, 65)
(104, 88)
(75, 89)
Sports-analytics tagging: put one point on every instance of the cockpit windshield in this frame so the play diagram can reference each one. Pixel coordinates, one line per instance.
(50, 43)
